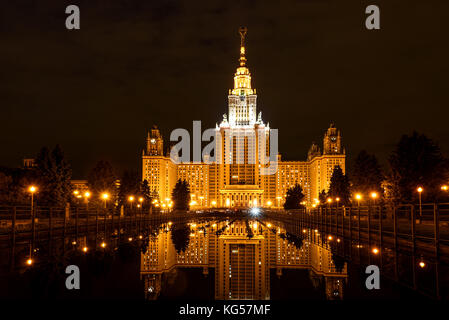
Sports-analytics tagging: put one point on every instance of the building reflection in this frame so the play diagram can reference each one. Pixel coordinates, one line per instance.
(242, 254)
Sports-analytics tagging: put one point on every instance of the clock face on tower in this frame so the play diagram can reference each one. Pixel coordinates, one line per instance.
(333, 139)
(153, 141)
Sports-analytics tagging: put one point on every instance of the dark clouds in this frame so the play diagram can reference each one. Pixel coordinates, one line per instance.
(134, 63)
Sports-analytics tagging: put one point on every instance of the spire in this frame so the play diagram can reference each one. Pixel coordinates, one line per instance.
(242, 31)
(242, 77)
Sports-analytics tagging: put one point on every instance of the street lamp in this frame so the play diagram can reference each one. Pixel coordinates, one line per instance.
(337, 199)
(358, 197)
(131, 199)
(329, 201)
(87, 196)
(374, 196)
(420, 190)
(32, 190)
(105, 197)
(444, 187)
(141, 203)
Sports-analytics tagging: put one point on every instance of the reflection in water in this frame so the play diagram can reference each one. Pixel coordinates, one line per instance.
(242, 253)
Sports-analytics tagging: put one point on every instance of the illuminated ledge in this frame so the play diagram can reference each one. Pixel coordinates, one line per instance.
(242, 187)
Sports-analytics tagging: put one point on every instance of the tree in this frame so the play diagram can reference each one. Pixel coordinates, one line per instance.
(102, 178)
(294, 197)
(145, 192)
(180, 237)
(366, 175)
(181, 195)
(339, 186)
(53, 175)
(129, 186)
(417, 161)
(322, 197)
(62, 173)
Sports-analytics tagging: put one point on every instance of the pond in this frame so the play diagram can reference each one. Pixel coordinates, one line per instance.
(222, 259)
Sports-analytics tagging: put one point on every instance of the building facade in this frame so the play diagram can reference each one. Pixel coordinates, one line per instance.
(242, 140)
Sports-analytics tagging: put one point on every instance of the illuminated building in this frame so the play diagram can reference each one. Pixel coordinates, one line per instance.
(157, 168)
(242, 254)
(234, 179)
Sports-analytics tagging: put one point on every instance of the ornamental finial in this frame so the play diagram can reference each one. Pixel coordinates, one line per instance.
(242, 31)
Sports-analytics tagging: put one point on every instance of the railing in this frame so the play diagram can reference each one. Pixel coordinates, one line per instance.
(382, 233)
(387, 223)
(55, 229)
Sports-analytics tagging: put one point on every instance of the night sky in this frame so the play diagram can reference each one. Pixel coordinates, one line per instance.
(96, 91)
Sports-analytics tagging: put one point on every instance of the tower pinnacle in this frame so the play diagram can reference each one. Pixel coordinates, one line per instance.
(242, 77)
(242, 31)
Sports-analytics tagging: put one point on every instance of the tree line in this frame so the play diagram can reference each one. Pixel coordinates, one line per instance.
(416, 162)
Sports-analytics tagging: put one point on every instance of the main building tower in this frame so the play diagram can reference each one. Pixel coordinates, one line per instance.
(234, 179)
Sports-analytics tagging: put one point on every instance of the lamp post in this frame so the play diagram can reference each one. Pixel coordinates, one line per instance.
(105, 197)
(358, 197)
(374, 196)
(337, 200)
(86, 197)
(32, 190)
(329, 201)
(141, 204)
(76, 194)
(420, 190)
(131, 199)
